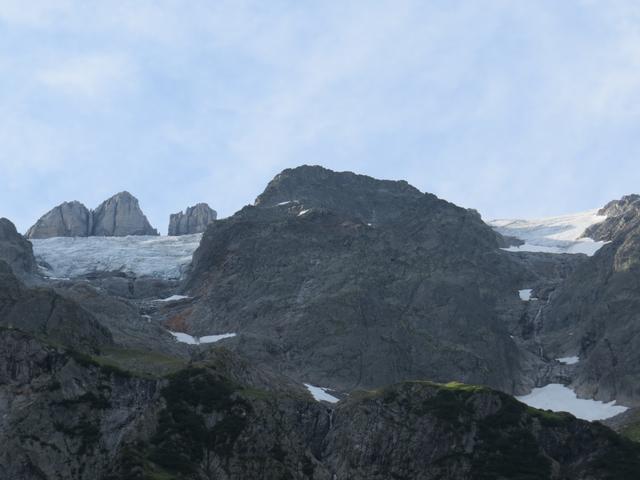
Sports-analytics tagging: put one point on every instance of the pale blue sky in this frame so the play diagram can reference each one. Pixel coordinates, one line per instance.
(516, 108)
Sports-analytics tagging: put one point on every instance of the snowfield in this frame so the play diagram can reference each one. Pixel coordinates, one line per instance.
(320, 394)
(161, 257)
(560, 398)
(553, 234)
(186, 338)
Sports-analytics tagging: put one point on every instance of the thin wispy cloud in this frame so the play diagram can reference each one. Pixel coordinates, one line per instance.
(513, 108)
(90, 76)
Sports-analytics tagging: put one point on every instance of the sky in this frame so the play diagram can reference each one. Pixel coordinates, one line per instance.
(515, 108)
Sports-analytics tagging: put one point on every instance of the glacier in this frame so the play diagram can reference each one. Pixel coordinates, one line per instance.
(560, 234)
(161, 257)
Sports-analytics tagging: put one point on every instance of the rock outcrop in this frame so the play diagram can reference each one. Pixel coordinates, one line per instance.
(620, 215)
(69, 219)
(16, 251)
(594, 313)
(346, 281)
(65, 415)
(120, 216)
(43, 312)
(194, 220)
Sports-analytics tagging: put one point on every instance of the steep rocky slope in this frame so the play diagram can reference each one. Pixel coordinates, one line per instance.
(120, 216)
(595, 313)
(44, 313)
(16, 251)
(65, 415)
(349, 281)
(69, 219)
(338, 280)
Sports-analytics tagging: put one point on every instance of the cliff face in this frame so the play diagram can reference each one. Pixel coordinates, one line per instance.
(16, 251)
(194, 220)
(69, 416)
(118, 216)
(594, 312)
(69, 219)
(354, 282)
(43, 312)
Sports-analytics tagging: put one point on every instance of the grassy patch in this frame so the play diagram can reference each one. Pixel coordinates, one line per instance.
(138, 362)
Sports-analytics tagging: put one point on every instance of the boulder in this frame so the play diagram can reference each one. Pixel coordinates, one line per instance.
(120, 216)
(194, 220)
(69, 219)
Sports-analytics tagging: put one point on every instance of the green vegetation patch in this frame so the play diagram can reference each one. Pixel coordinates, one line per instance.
(620, 459)
(183, 442)
(507, 446)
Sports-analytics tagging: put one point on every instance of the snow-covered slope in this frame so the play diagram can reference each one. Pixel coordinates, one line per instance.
(560, 398)
(553, 234)
(163, 257)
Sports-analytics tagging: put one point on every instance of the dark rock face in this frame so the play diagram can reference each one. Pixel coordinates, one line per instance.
(474, 433)
(364, 198)
(41, 311)
(62, 414)
(16, 251)
(222, 418)
(595, 312)
(69, 219)
(120, 216)
(358, 283)
(194, 220)
(620, 215)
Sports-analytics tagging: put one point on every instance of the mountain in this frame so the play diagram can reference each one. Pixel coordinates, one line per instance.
(594, 313)
(347, 281)
(221, 417)
(69, 219)
(120, 216)
(117, 216)
(194, 220)
(127, 362)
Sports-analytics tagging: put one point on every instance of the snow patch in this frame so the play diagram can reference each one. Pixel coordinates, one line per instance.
(284, 203)
(569, 360)
(186, 338)
(172, 298)
(160, 257)
(320, 394)
(525, 295)
(303, 212)
(552, 234)
(216, 338)
(560, 398)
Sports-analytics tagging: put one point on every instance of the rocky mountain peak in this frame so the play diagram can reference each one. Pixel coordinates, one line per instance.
(622, 215)
(120, 216)
(369, 199)
(69, 219)
(194, 220)
(626, 204)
